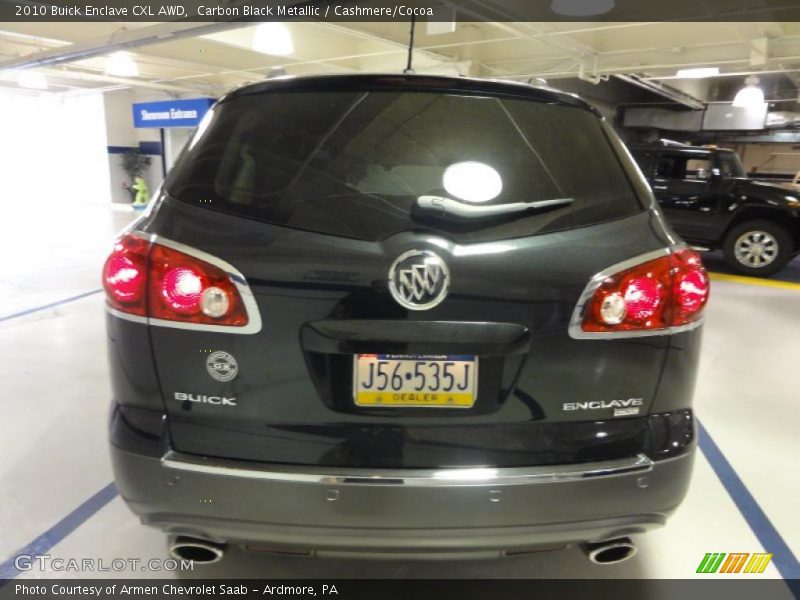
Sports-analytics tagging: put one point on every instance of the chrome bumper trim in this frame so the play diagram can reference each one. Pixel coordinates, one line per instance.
(409, 477)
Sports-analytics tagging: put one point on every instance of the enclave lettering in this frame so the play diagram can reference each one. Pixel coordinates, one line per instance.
(600, 405)
(106, 11)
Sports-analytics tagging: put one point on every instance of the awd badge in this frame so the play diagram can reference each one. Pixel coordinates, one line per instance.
(222, 366)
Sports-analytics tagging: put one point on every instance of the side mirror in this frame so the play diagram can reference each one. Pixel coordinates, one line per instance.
(715, 175)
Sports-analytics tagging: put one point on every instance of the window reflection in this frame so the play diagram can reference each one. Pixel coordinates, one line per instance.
(472, 181)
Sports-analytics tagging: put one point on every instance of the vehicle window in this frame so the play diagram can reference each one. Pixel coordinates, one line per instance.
(729, 165)
(354, 163)
(644, 159)
(675, 166)
(698, 168)
(670, 167)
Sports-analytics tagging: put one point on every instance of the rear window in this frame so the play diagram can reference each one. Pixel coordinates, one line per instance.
(354, 163)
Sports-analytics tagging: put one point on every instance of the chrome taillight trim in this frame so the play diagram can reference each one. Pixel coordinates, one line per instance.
(236, 276)
(576, 322)
(127, 316)
(447, 477)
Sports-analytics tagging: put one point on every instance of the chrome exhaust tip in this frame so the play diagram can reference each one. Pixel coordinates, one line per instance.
(200, 551)
(609, 552)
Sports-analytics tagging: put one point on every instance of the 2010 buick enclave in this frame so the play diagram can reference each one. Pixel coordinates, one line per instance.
(403, 314)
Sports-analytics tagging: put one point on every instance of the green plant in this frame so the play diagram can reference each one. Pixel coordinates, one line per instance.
(134, 163)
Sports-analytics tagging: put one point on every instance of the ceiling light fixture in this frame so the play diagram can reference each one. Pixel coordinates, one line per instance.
(32, 80)
(751, 95)
(698, 73)
(121, 64)
(273, 38)
(581, 8)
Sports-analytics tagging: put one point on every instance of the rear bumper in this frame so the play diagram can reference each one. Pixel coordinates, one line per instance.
(374, 513)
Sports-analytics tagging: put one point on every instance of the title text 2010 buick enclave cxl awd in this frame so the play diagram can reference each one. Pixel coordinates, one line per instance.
(382, 315)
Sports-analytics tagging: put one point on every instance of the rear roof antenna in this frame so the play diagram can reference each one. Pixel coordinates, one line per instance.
(409, 70)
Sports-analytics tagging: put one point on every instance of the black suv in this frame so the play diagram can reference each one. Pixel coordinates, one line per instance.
(710, 202)
(403, 315)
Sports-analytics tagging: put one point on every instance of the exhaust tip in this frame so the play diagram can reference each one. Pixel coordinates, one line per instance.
(609, 552)
(196, 550)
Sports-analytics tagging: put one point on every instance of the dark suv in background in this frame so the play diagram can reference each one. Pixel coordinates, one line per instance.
(710, 202)
(403, 315)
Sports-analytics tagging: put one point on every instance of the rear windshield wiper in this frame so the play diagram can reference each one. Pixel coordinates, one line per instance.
(447, 207)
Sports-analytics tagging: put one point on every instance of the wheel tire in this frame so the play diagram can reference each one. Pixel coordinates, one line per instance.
(757, 248)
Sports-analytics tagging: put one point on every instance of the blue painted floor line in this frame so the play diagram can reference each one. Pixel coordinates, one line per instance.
(51, 537)
(46, 306)
(782, 556)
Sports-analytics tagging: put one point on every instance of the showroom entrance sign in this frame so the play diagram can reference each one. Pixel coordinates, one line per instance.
(171, 113)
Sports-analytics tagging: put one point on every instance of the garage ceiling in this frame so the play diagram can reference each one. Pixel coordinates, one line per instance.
(199, 60)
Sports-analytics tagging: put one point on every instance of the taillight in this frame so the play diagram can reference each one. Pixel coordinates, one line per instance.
(690, 287)
(125, 275)
(654, 296)
(167, 284)
(185, 288)
(181, 288)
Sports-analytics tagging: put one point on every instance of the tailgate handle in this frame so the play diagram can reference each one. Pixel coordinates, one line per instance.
(387, 336)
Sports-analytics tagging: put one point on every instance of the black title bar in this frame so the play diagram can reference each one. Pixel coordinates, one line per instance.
(398, 11)
(404, 589)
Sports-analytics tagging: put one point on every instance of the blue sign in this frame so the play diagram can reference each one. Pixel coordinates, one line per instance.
(170, 113)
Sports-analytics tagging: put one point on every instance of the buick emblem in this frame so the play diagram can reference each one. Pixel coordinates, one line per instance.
(419, 279)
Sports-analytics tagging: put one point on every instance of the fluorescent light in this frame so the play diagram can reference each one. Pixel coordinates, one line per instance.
(273, 38)
(581, 8)
(32, 80)
(750, 96)
(698, 73)
(121, 64)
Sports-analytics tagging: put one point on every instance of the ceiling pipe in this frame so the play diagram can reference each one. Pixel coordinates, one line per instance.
(400, 46)
(123, 81)
(592, 78)
(732, 74)
(125, 39)
(570, 46)
(628, 68)
(663, 90)
(620, 69)
(146, 61)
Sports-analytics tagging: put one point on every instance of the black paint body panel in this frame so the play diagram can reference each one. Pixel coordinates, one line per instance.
(290, 413)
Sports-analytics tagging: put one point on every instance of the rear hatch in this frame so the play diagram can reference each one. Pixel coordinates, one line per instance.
(316, 190)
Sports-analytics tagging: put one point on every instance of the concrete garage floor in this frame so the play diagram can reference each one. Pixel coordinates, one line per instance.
(55, 473)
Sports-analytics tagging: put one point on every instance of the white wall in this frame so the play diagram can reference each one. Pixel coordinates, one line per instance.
(53, 148)
(120, 132)
(175, 139)
(769, 158)
(119, 118)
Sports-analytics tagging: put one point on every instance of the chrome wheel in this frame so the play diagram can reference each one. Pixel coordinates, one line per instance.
(756, 249)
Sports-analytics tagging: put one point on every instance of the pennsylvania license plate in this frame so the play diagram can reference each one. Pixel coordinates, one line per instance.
(441, 381)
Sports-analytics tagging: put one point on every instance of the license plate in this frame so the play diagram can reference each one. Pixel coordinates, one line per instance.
(417, 380)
